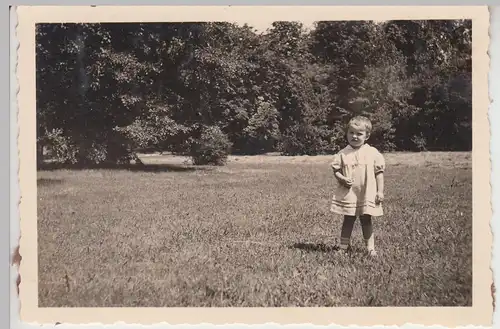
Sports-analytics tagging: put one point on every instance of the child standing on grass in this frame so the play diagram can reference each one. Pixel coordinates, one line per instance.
(359, 170)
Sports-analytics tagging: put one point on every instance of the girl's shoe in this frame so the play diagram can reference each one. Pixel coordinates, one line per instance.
(341, 251)
(372, 253)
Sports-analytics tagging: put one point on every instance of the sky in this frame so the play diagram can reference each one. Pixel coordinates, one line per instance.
(262, 26)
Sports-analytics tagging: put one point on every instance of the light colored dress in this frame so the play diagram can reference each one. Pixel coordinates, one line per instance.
(361, 165)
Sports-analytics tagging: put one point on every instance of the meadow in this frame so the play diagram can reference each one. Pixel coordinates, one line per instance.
(256, 232)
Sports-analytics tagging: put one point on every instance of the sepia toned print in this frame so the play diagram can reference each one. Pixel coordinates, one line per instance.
(207, 166)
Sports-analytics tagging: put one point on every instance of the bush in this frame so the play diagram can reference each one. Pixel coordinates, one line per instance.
(311, 140)
(419, 143)
(212, 148)
(60, 148)
(382, 135)
(114, 149)
(262, 130)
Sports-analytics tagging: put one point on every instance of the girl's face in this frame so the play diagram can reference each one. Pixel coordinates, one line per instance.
(356, 136)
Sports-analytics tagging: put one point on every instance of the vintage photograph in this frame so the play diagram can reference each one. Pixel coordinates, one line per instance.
(212, 164)
(252, 165)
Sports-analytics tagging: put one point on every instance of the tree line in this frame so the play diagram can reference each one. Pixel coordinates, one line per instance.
(107, 91)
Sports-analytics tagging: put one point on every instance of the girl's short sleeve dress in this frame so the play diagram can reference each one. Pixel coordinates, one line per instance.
(361, 165)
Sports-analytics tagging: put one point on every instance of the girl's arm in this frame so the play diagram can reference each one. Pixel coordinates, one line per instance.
(339, 175)
(337, 167)
(379, 175)
(380, 182)
(343, 180)
(380, 186)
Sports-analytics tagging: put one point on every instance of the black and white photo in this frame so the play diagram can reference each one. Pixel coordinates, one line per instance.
(306, 163)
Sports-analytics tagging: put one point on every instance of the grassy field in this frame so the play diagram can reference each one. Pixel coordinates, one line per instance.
(256, 232)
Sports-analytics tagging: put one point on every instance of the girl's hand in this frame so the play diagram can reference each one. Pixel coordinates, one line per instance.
(347, 182)
(379, 197)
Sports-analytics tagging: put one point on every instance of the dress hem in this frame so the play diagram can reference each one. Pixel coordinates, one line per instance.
(376, 213)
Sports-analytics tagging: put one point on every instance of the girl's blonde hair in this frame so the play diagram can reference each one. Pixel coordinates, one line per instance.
(361, 122)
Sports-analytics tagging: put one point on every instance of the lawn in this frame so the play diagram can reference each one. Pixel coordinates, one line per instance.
(256, 232)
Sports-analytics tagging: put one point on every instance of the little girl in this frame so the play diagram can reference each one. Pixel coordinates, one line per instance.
(359, 169)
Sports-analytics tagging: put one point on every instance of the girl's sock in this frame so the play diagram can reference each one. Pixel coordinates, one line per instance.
(366, 226)
(345, 235)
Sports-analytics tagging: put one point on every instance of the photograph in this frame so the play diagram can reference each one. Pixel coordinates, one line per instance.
(254, 153)
(218, 163)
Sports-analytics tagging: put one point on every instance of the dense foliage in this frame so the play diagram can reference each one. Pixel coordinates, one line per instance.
(105, 91)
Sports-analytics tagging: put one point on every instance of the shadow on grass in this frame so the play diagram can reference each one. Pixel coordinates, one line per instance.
(314, 247)
(48, 181)
(129, 167)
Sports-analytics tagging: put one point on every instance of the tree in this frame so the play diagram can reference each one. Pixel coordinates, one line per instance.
(107, 91)
(439, 55)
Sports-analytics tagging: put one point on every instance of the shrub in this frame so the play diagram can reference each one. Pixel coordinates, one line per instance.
(262, 131)
(419, 143)
(211, 148)
(311, 140)
(61, 149)
(114, 149)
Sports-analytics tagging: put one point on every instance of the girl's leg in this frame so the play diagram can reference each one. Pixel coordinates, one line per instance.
(366, 226)
(345, 234)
